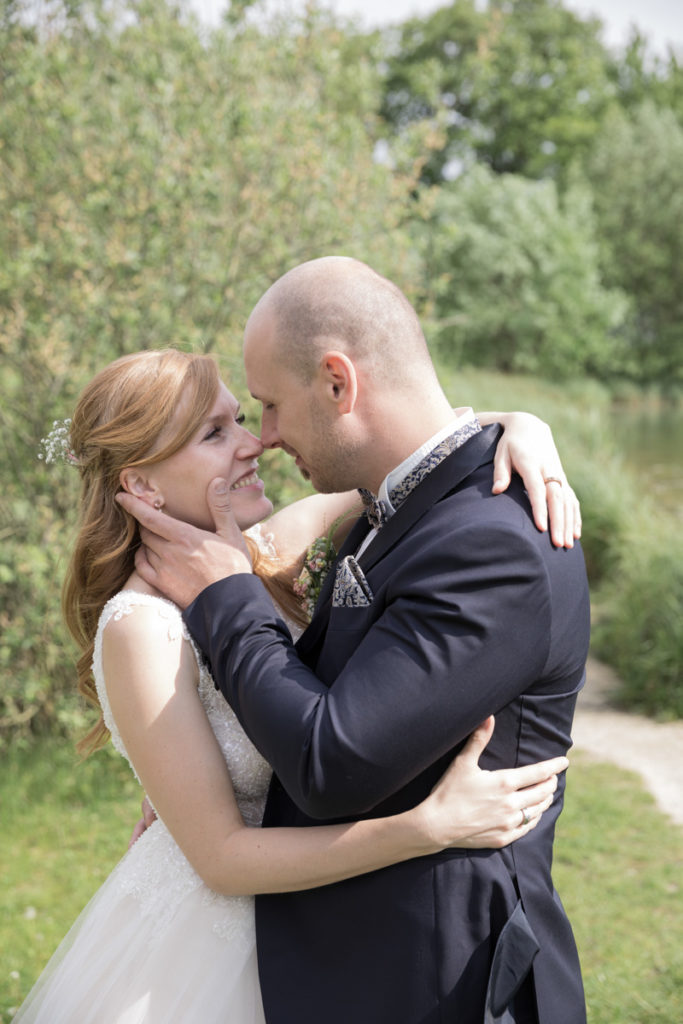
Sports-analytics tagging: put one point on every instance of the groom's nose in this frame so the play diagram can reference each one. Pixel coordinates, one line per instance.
(270, 437)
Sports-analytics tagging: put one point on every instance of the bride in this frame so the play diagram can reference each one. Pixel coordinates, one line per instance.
(169, 937)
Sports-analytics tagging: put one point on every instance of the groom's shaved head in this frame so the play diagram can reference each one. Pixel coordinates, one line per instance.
(340, 303)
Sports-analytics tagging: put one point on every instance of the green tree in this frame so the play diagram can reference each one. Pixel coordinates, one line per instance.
(522, 85)
(636, 174)
(154, 179)
(513, 276)
(641, 75)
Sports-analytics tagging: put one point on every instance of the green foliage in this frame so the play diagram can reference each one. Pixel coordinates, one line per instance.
(526, 87)
(513, 273)
(641, 75)
(523, 84)
(633, 551)
(636, 174)
(36, 655)
(155, 178)
(153, 181)
(641, 636)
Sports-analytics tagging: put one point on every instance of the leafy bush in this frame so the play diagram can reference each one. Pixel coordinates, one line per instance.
(513, 272)
(635, 171)
(641, 633)
(153, 181)
(634, 554)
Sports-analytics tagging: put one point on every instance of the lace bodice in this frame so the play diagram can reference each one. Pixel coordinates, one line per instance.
(249, 772)
(155, 873)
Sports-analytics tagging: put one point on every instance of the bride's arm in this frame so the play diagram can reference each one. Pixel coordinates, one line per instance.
(526, 447)
(297, 525)
(152, 688)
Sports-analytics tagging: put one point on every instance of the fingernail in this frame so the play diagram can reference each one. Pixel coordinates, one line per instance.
(220, 487)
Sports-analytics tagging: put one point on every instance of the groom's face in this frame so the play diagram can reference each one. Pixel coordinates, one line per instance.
(292, 417)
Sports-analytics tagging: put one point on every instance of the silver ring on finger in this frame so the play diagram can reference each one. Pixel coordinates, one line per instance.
(526, 817)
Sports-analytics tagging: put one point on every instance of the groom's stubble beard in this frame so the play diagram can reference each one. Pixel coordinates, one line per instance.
(332, 460)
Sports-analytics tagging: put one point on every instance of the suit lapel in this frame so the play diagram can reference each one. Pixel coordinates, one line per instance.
(441, 481)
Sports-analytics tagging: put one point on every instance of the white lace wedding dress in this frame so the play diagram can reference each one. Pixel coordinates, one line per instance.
(155, 945)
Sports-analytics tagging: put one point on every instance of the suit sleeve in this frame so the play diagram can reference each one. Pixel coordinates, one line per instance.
(459, 634)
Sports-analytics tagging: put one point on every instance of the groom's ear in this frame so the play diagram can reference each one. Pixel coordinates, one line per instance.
(339, 381)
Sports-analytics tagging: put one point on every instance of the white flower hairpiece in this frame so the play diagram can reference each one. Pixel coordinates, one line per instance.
(56, 447)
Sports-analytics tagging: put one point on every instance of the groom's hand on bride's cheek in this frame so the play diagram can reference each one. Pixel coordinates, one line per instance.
(180, 560)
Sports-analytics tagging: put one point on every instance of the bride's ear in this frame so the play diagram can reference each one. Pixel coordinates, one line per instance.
(136, 483)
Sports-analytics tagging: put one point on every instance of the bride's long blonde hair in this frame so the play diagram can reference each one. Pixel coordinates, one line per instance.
(120, 416)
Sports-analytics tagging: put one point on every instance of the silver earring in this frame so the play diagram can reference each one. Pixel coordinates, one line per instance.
(158, 503)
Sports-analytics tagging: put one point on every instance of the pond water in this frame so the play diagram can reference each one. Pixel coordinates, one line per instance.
(651, 439)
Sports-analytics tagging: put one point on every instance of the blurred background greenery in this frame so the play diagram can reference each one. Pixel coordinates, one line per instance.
(520, 181)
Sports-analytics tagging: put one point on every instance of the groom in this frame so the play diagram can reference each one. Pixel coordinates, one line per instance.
(445, 606)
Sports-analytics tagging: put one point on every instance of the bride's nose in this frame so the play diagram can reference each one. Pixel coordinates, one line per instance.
(250, 445)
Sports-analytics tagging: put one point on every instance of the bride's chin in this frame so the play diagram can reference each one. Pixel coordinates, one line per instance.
(259, 511)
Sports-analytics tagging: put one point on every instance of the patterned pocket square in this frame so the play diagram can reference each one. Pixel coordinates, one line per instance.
(351, 589)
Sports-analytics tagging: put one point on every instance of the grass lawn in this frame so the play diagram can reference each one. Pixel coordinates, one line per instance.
(63, 827)
(619, 869)
(618, 866)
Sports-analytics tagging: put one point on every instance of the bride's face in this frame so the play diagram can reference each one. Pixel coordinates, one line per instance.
(221, 447)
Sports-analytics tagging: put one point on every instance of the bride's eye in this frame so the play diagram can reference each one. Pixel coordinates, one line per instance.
(214, 432)
(240, 419)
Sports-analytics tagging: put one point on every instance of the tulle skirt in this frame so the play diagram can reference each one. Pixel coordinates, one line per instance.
(153, 946)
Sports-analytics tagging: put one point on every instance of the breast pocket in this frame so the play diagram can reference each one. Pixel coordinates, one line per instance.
(351, 588)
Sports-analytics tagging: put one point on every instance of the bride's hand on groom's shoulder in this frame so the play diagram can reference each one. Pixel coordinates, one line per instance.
(527, 447)
(473, 808)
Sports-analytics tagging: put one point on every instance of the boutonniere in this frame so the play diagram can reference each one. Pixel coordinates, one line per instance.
(318, 559)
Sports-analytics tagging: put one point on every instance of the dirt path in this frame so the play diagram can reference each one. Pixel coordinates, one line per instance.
(653, 749)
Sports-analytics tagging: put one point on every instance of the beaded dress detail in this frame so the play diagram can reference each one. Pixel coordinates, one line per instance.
(155, 945)
(159, 874)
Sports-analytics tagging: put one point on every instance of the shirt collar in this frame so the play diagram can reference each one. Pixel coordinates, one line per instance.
(464, 417)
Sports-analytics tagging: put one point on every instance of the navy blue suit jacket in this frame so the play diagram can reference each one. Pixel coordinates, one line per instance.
(473, 612)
